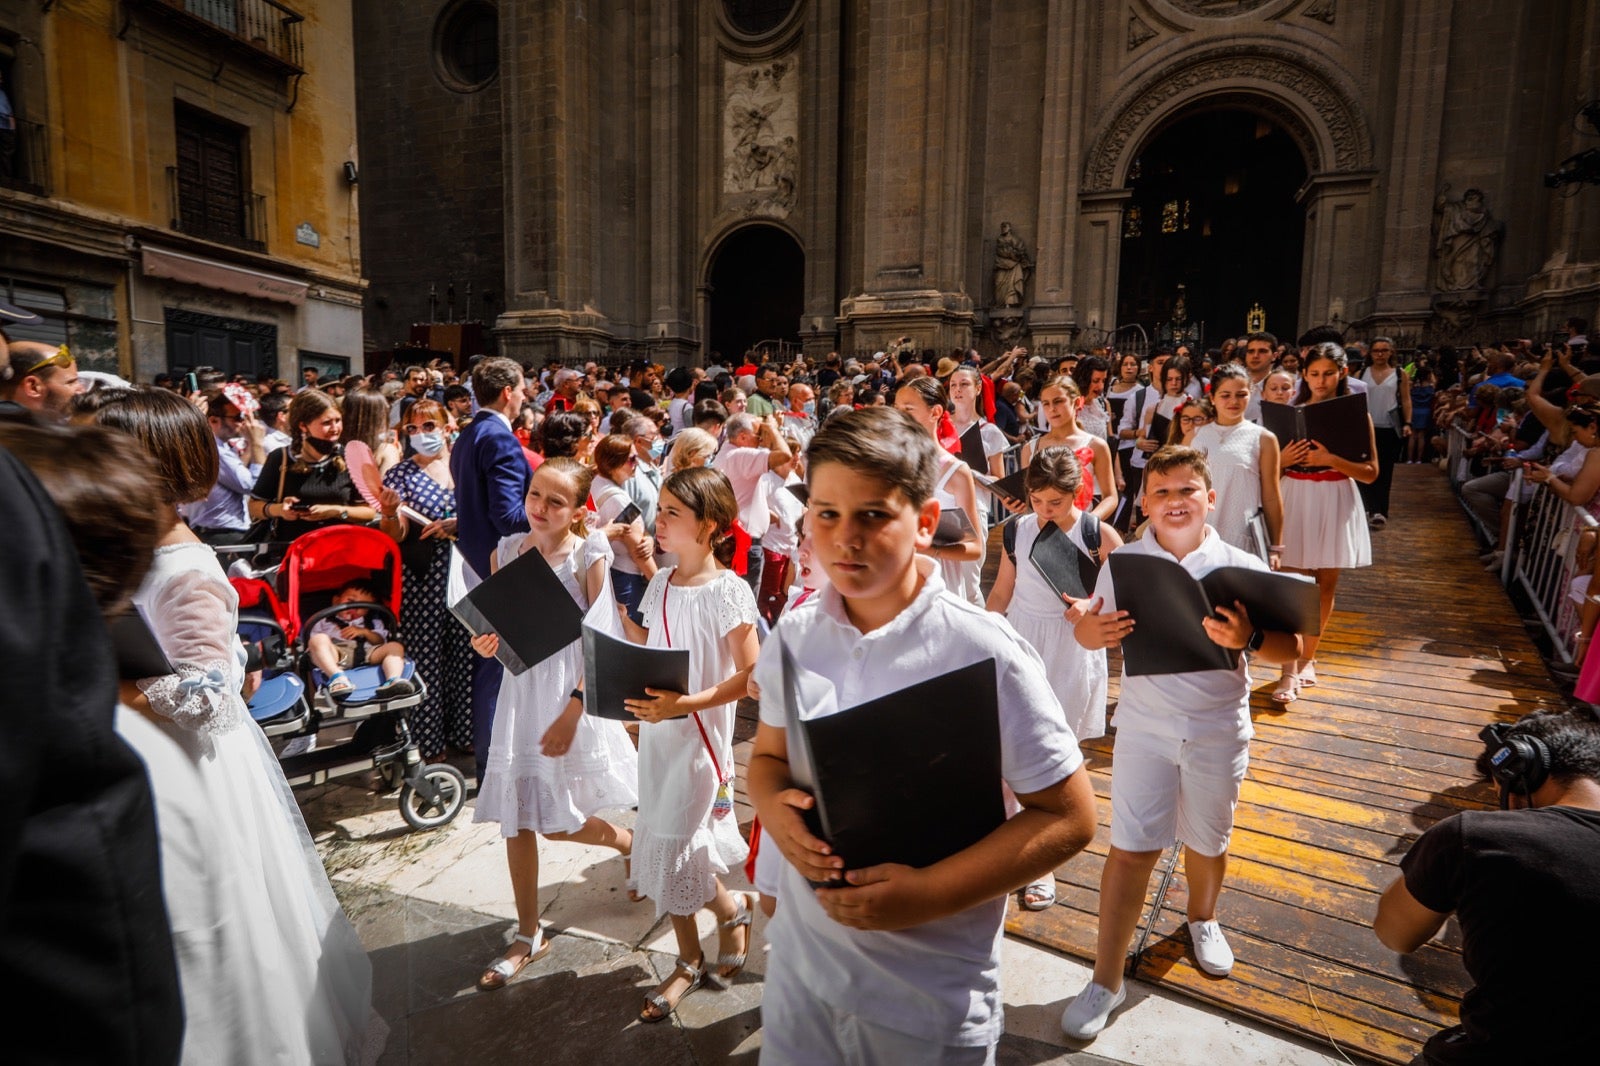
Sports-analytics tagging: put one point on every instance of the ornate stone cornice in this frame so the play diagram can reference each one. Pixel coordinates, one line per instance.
(1303, 87)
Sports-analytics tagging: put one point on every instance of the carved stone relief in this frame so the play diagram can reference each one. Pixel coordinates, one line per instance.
(1466, 239)
(1138, 31)
(761, 129)
(1322, 10)
(1339, 115)
(1218, 9)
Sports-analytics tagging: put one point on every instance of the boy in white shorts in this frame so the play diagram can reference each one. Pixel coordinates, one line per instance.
(895, 964)
(1183, 741)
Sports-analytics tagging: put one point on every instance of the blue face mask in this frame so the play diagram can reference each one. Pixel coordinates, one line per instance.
(428, 443)
(658, 448)
(810, 407)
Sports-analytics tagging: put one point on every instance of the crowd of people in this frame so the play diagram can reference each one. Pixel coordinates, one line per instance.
(779, 520)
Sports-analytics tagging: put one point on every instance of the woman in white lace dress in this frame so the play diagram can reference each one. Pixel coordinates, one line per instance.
(687, 836)
(551, 768)
(274, 973)
(1244, 464)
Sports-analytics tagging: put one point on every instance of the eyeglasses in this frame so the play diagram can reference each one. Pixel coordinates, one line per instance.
(1193, 420)
(61, 358)
(426, 427)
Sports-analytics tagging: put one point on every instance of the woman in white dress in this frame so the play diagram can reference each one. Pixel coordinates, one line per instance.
(551, 768)
(687, 837)
(1244, 465)
(1324, 526)
(966, 389)
(960, 564)
(280, 976)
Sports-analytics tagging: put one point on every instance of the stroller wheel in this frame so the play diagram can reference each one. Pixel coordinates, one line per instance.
(449, 794)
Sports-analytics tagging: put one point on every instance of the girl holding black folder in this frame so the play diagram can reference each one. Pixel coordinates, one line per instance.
(1324, 523)
(960, 564)
(1244, 464)
(551, 767)
(686, 837)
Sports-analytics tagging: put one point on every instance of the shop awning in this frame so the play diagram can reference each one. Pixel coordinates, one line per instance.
(193, 270)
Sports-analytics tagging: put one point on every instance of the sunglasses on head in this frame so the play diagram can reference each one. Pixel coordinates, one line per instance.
(426, 427)
(61, 358)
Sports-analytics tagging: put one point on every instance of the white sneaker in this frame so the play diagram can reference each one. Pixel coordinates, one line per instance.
(1090, 1009)
(1211, 948)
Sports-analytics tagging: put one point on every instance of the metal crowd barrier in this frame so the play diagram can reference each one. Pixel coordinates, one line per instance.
(1543, 561)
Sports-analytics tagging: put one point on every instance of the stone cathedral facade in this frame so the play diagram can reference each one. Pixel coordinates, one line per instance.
(678, 176)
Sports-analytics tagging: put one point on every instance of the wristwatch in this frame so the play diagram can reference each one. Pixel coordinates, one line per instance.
(1257, 638)
(344, 514)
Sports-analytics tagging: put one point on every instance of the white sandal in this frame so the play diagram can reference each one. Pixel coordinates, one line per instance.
(1038, 896)
(743, 916)
(500, 973)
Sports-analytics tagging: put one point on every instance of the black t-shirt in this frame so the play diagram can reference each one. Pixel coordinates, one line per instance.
(324, 482)
(1525, 887)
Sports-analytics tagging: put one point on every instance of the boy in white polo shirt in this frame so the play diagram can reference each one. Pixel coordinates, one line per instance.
(1183, 741)
(899, 964)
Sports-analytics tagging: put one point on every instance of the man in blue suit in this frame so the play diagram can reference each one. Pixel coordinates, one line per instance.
(491, 475)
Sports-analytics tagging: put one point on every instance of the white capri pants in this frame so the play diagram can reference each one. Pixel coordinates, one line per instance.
(1164, 789)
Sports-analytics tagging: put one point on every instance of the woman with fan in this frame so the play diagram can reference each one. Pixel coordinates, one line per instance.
(307, 485)
(417, 507)
(366, 423)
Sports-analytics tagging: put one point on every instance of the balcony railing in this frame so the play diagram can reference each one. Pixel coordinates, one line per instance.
(263, 30)
(241, 223)
(28, 168)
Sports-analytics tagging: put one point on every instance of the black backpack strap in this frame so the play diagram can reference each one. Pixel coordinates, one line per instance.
(1089, 564)
(1008, 540)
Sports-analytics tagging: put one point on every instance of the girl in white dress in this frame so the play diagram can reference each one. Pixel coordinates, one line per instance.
(960, 564)
(551, 767)
(966, 389)
(271, 969)
(1324, 525)
(687, 837)
(1060, 401)
(1244, 465)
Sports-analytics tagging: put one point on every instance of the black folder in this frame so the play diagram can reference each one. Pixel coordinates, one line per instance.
(1167, 605)
(1339, 425)
(972, 452)
(1255, 531)
(1118, 403)
(139, 654)
(953, 528)
(1064, 568)
(615, 670)
(528, 606)
(799, 491)
(1013, 487)
(1160, 426)
(938, 794)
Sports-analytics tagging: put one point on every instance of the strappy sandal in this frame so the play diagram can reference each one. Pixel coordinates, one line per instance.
(1039, 896)
(656, 1006)
(1306, 674)
(728, 961)
(503, 969)
(340, 685)
(630, 883)
(1287, 690)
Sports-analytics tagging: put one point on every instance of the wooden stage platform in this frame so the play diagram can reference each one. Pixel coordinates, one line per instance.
(1424, 649)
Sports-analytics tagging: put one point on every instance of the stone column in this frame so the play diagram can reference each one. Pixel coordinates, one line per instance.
(919, 55)
(1099, 244)
(1413, 163)
(671, 332)
(1332, 273)
(818, 214)
(549, 84)
(1052, 320)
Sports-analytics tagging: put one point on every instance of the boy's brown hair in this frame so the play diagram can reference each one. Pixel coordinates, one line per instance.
(1175, 457)
(879, 442)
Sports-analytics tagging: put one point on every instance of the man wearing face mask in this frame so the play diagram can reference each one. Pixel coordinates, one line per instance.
(799, 419)
(644, 487)
(223, 517)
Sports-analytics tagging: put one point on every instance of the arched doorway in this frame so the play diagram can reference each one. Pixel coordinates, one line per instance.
(1213, 210)
(757, 290)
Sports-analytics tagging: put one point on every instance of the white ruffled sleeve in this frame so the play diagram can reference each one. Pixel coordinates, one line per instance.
(193, 617)
(597, 546)
(736, 604)
(650, 606)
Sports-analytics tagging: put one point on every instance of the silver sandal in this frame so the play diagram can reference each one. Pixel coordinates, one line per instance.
(500, 973)
(697, 977)
(743, 916)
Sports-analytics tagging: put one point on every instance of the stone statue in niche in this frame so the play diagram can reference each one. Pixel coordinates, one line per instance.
(1466, 238)
(1012, 266)
(761, 131)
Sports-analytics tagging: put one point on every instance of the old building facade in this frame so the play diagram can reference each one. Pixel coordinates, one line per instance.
(697, 176)
(178, 192)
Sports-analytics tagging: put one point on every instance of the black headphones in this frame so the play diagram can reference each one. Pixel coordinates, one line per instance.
(1517, 762)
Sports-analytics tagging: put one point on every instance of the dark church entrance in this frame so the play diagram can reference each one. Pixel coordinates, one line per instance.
(1213, 210)
(757, 291)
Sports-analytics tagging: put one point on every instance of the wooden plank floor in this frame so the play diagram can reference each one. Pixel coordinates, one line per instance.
(1423, 650)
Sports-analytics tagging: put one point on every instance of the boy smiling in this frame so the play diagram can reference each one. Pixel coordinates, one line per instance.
(893, 963)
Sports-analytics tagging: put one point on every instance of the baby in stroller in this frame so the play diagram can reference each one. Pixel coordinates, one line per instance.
(357, 637)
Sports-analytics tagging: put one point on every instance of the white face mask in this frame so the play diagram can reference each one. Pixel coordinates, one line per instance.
(428, 443)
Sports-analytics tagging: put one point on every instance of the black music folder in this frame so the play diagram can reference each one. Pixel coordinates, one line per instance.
(1339, 425)
(1013, 487)
(1167, 605)
(139, 654)
(939, 793)
(972, 452)
(953, 528)
(615, 670)
(799, 491)
(1255, 531)
(1160, 426)
(525, 603)
(1064, 568)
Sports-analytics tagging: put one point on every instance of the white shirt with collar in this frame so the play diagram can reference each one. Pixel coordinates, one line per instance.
(939, 981)
(1201, 705)
(744, 469)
